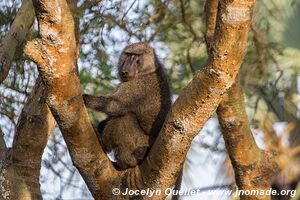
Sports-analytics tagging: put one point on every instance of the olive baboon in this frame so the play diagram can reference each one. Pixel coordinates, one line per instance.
(137, 109)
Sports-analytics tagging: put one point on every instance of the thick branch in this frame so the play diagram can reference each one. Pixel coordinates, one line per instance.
(211, 10)
(55, 53)
(255, 170)
(15, 37)
(21, 176)
(201, 96)
(35, 124)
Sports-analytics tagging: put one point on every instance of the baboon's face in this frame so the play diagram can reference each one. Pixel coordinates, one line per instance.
(130, 66)
(136, 60)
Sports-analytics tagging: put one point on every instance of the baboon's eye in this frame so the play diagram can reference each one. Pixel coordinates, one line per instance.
(132, 56)
(123, 62)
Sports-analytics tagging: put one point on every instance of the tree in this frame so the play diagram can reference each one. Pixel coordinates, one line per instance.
(55, 52)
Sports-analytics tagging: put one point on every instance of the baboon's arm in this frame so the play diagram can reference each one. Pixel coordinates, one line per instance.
(124, 100)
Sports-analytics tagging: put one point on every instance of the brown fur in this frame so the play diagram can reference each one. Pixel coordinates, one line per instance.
(137, 109)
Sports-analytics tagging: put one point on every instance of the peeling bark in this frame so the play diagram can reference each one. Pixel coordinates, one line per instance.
(15, 37)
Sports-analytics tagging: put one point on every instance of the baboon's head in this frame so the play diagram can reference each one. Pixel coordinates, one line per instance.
(136, 60)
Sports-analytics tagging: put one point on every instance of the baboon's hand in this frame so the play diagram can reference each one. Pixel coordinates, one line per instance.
(85, 98)
(101, 103)
(90, 101)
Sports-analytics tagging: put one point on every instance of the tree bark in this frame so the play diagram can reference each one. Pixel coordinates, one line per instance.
(211, 10)
(177, 186)
(201, 96)
(2, 142)
(55, 54)
(253, 168)
(254, 171)
(35, 125)
(21, 164)
(15, 37)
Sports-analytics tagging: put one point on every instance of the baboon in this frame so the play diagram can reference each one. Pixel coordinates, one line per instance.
(136, 110)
